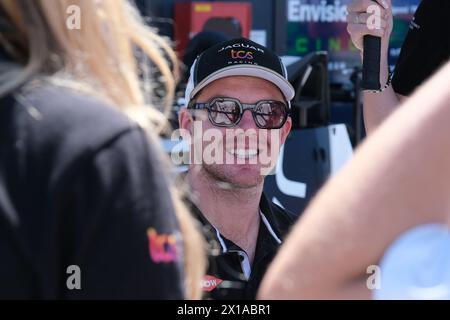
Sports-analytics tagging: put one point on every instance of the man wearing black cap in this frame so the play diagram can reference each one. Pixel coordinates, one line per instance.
(237, 149)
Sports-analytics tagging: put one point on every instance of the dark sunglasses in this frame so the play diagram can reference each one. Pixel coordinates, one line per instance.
(227, 112)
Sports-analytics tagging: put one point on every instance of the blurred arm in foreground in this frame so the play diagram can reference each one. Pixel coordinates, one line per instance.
(398, 180)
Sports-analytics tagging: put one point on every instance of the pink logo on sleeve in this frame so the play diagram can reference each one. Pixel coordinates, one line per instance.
(162, 247)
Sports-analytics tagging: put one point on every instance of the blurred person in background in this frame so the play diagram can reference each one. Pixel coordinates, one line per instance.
(82, 178)
(199, 43)
(425, 50)
(388, 211)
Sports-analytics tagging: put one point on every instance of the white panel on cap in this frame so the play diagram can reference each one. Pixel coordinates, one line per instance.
(190, 85)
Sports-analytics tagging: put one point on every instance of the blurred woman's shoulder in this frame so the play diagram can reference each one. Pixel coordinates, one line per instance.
(50, 113)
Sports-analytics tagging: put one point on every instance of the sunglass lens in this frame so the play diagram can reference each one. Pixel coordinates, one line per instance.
(271, 114)
(224, 112)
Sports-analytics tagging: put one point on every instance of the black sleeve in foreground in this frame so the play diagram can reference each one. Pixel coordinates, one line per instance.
(425, 48)
(127, 241)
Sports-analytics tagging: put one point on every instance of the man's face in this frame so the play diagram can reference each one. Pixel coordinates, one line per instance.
(244, 148)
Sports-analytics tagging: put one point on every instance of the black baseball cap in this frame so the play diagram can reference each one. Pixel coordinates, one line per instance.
(238, 57)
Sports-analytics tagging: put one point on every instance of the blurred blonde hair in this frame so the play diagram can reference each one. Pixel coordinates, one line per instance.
(100, 58)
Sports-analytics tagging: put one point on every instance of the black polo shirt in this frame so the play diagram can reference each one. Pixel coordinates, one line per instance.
(81, 187)
(230, 275)
(426, 47)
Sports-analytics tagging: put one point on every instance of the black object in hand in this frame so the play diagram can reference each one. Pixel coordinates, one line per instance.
(371, 63)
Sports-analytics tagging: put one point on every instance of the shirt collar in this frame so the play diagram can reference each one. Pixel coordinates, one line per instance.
(267, 226)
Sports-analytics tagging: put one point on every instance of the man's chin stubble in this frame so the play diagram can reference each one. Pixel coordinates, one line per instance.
(227, 182)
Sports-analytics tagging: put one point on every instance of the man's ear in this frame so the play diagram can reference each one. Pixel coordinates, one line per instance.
(285, 130)
(185, 119)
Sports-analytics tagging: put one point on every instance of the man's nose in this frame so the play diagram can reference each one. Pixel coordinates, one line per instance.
(247, 121)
